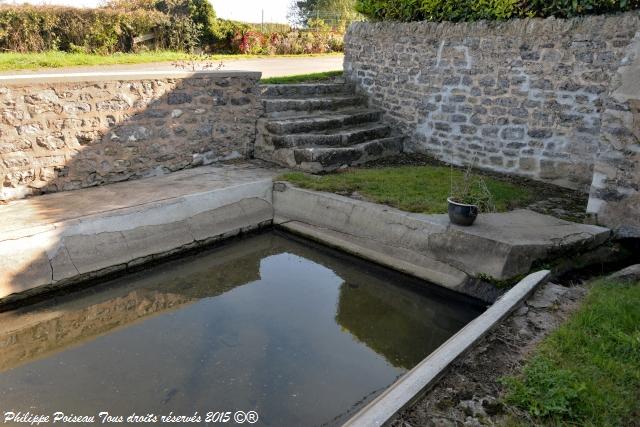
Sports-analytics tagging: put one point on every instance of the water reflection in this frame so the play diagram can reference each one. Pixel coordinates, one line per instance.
(269, 323)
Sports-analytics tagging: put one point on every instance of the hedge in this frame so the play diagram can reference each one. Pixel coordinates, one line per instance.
(179, 25)
(475, 10)
(41, 28)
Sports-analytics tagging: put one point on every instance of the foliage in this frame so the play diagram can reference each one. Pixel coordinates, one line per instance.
(302, 78)
(41, 28)
(570, 8)
(588, 371)
(193, 22)
(180, 33)
(224, 33)
(474, 10)
(336, 13)
(293, 42)
(421, 189)
(180, 25)
(471, 189)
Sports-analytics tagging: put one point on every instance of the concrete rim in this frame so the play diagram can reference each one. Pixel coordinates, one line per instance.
(426, 374)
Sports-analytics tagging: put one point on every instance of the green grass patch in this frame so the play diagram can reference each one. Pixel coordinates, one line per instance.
(422, 189)
(302, 78)
(56, 59)
(588, 371)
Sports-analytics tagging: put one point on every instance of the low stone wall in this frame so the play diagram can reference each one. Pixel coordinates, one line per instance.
(67, 132)
(523, 96)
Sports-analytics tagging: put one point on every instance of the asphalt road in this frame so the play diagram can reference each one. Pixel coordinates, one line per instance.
(270, 67)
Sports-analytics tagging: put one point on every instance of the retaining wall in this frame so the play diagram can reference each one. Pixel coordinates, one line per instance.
(62, 132)
(522, 96)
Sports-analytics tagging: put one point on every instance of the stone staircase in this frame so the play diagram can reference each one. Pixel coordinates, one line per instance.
(321, 127)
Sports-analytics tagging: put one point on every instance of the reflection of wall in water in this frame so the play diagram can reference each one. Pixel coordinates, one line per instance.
(34, 332)
(374, 314)
(370, 312)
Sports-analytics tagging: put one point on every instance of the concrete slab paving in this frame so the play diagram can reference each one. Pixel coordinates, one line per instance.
(70, 236)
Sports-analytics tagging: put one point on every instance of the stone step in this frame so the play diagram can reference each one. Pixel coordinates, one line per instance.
(331, 158)
(294, 90)
(320, 122)
(334, 137)
(289, 106)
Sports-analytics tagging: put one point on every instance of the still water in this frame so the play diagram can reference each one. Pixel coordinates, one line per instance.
(298, 333)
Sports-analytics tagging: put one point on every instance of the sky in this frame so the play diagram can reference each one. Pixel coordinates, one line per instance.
(239, 10)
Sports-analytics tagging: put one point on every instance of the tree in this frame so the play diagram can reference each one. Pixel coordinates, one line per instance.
(336, 13)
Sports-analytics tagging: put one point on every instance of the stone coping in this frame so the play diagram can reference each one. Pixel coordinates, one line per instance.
(417, 381)
(29, 79)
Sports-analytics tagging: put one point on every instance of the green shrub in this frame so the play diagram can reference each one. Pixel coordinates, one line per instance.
(474, 10)
(179, 25)
(193, 22)
(41, 28)
(247, 41)
(27, 29)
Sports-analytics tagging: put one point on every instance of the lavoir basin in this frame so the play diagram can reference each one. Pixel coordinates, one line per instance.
(294, 331)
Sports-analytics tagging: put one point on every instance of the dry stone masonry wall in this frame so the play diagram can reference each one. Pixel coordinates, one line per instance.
(66, 133)
(523, 96)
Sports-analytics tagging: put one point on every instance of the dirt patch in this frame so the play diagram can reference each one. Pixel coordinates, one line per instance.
(470, 393)
(547, 199)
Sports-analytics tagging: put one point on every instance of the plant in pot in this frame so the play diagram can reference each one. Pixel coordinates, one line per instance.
(469, 195)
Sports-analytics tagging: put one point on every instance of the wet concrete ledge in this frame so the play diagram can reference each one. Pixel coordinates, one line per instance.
(417, 381)
(68, 237)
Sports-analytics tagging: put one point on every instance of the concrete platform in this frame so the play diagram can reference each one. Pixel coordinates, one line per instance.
(66, 237)
(501, 245)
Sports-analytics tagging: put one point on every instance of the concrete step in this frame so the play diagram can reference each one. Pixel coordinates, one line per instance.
(295, 90)
(326, 159)
(319, 122)
(333, 137)
(290, 106)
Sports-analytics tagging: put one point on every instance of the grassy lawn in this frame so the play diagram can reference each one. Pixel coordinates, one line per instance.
(421, 189)
(57, 59)
(302, 78)
(588, 371)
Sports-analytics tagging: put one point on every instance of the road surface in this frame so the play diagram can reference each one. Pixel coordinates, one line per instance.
(270, 67)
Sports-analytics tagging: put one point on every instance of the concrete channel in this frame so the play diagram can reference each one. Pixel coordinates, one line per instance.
(69, 237)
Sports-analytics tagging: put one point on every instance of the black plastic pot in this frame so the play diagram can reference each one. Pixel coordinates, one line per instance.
(462, 214)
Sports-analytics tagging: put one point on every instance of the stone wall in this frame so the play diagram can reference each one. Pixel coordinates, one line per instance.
(523, 96)
(74, 131)
(615, 191)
